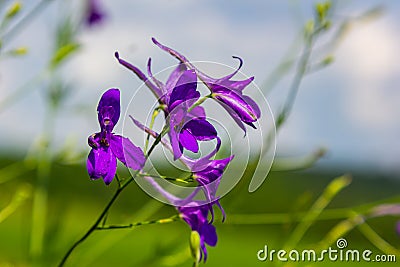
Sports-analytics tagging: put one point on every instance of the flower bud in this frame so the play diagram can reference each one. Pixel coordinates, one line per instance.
(195, 245)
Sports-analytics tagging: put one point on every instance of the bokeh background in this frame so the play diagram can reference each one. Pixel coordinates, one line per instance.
(350, 107)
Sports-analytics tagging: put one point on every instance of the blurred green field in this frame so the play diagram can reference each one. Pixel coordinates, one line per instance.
(75, 202)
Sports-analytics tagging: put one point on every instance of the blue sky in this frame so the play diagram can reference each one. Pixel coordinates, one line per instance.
(352, 107)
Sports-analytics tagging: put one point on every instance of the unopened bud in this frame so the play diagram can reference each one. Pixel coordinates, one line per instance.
(195, 245)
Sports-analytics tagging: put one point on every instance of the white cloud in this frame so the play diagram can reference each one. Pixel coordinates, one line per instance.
(370, 61)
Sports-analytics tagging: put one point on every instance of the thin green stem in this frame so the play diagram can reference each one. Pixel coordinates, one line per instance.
(20, 196)
(352, 221)
(158, 140)
(310, 217)
(186, 180)
(295, 85)
(327, 214)
(12, 171)
(199, 102)
(98, 221)
(341, 229)
(153, 118)
(121, 186)
(17, 27)
(107, 241)
(377, 240)
(133, 225)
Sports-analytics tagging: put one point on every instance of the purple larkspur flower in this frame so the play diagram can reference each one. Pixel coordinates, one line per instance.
(197, 218)
(107, 146)
(242, 108)
(187, 128)
(156, 89)
(209, 175)
(94, 13)
(177, 96)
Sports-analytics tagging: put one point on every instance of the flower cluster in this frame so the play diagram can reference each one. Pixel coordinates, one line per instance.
(186, 124)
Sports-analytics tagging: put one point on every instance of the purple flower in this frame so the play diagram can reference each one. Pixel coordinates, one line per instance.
(94, 13)
(107, 146)
(209, 176)
(186, 127)
(241, 107)
(177, 96)
(228, 92)
(157, 88)
(197, 218)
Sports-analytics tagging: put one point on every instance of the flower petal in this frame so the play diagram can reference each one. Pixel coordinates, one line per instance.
(188, 141)
(184, 91)
(112, 169)
(209, 234)
(173, 138)
(91, 165)
(173, 78)
(201, 129)
(109, 109)
(238, 104)
(154, 88)
(158, 83)
(253, 105)
(234, 116)
(129, 154)
(197, 112)
(238, 86)
(203, 252)
(101, 163)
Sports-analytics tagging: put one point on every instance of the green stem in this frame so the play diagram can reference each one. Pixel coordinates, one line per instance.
(309, 218)
(158, 140)
(295, 85)
(377, 240)
(186, 180)
(12, 171)
(153, 118)
(199, 102)
(35, 11)
(97, 222)
(20, 196)
(133, 225)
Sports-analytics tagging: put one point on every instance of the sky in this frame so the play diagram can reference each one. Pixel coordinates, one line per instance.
(351, 107)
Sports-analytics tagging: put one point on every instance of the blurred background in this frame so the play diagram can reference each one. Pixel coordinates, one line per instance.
(344, 121)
